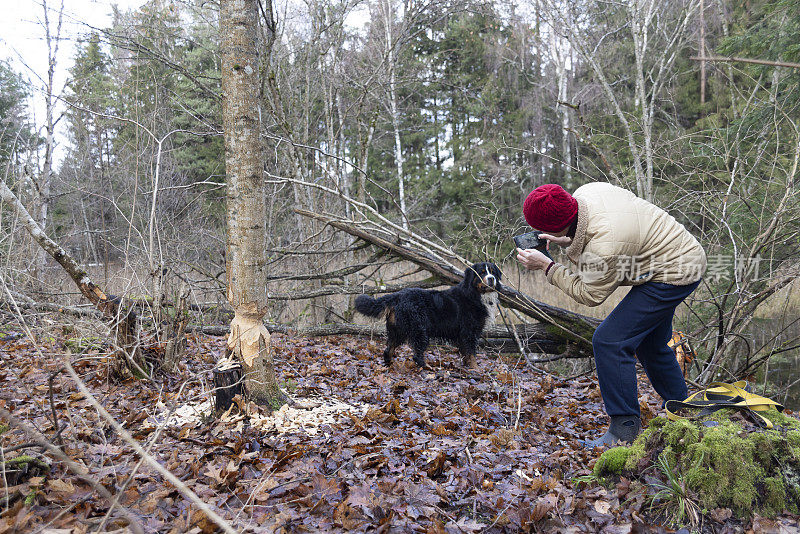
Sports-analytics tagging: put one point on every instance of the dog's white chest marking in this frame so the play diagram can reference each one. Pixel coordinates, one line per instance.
(490, 301)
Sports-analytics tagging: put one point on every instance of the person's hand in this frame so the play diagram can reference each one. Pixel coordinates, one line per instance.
(562, 241)
(532, 259)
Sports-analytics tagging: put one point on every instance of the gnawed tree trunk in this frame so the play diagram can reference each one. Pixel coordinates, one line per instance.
(124, 323)
(227, 383)
(245, 155)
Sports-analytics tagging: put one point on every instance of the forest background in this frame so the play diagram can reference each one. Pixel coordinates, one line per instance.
(439, 116)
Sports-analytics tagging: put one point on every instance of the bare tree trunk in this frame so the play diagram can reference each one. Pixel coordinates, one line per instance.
(366, 142)
(398, 147)
(561, 71)
(245, 155)
(641, 13)
(47, 168)
(702, 52)
(345, 169)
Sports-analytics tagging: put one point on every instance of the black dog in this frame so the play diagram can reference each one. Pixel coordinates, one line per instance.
(458, 314)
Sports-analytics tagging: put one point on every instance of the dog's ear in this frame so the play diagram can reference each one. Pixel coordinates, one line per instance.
(470, 276)
(497, 272)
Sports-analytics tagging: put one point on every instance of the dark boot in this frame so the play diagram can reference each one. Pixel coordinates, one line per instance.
(622, 430)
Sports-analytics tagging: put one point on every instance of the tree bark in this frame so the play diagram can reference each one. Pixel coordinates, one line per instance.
(227, 384)
(245, 154)
(701, 50)
(561, 72)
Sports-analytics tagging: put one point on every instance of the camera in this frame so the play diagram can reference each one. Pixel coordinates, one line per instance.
(532, 240)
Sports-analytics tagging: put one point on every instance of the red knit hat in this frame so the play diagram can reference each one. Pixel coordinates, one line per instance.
(549, 208)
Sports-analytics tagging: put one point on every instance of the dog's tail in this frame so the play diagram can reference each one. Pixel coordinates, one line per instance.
(369, 306)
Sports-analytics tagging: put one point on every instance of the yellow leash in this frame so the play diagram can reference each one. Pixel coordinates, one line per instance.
(723, 395)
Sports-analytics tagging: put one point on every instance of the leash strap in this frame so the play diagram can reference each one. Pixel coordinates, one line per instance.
(723, 395)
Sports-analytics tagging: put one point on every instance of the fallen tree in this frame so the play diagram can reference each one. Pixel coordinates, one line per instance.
(556, 331)
(537, 338)
(559, 328)
(123, 320)
(497, 338)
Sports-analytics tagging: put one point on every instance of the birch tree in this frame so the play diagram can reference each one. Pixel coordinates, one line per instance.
(559, 52)
(658, 31)
(245, 155)
(390, 45)
(45, 177)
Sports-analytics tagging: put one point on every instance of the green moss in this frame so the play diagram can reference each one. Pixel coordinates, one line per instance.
(681, 434)
(289, 385)
(781, 419)
(638, 449)
(791, 477)
(26, 460)
(768, 445)
(723, 465)
(79, 345)
(774, 495)
(793, 442)
(558, 333)
(657, 422)
(720, 467)
(611, 462)
(3, 428)
(21, 468)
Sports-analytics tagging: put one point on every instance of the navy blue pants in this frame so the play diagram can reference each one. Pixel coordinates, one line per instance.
(640, 325)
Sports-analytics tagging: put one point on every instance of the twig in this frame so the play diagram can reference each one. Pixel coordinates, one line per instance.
(513, 332)
(175, 481)
(579, 375)
(73, 466)
(56, 427)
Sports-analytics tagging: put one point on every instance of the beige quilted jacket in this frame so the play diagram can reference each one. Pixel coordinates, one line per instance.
(624, 240)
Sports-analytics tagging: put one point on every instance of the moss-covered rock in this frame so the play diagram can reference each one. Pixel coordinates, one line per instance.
(723, 461)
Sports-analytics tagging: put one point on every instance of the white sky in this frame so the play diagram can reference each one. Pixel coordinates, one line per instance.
(22, 42)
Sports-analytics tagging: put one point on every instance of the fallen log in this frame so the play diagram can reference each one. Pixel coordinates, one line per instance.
(567, 326)
(536, 338)
(48, 307)
(353, 290)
